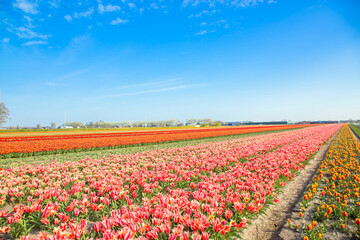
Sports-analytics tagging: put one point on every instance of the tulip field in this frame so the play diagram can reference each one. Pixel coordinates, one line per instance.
(207, 191)
(21, 146)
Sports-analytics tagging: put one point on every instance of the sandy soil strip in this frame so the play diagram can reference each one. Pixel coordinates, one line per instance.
(270, 224)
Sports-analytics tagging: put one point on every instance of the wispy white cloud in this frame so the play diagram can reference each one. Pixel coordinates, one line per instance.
(246, 3)
(29, 23)
(204, 13)
(185, 3)
(118, 21)
(27, 33)
(154, 5)
(132, 5)
(75, 47)
(213, 3)
(6, 40)
(54, 3)
(153, 84)
(23, 32)
(27, 6)
(212, 26)
(203, 32)
(108, 8)
(87, 13)
(79, 42)
(152, 89)
(101, 8)
(71, 75)
(149, 91)
(219, 22)
(68, 18)
(39, 42)
(63, 79)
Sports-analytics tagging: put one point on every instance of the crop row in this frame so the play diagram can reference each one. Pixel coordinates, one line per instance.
(196, 192)
(24, 146)
(335, 187)
(44, 158)
(134, 133)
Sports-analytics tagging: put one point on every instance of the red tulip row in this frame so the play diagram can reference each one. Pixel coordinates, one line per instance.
(27, 145)
(140, 133)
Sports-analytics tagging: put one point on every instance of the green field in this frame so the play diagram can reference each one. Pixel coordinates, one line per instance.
(355, 129)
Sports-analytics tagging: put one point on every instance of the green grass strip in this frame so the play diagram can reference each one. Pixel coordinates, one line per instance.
(355, 129)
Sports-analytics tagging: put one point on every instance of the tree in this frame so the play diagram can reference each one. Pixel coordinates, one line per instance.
(170, 123)
(90, 124)
(138, 124)
(74, 124)
(191, 121)
(125, 124)
(53, 125)
(178, 123)
(152, 124)
(207, 121)
(4, 113)
(38, 126)
(217, 123)
(162, 123)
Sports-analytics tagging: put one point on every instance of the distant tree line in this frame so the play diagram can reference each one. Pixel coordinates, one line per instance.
(161, 123)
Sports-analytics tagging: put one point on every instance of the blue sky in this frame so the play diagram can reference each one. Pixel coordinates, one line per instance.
(230, 60)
